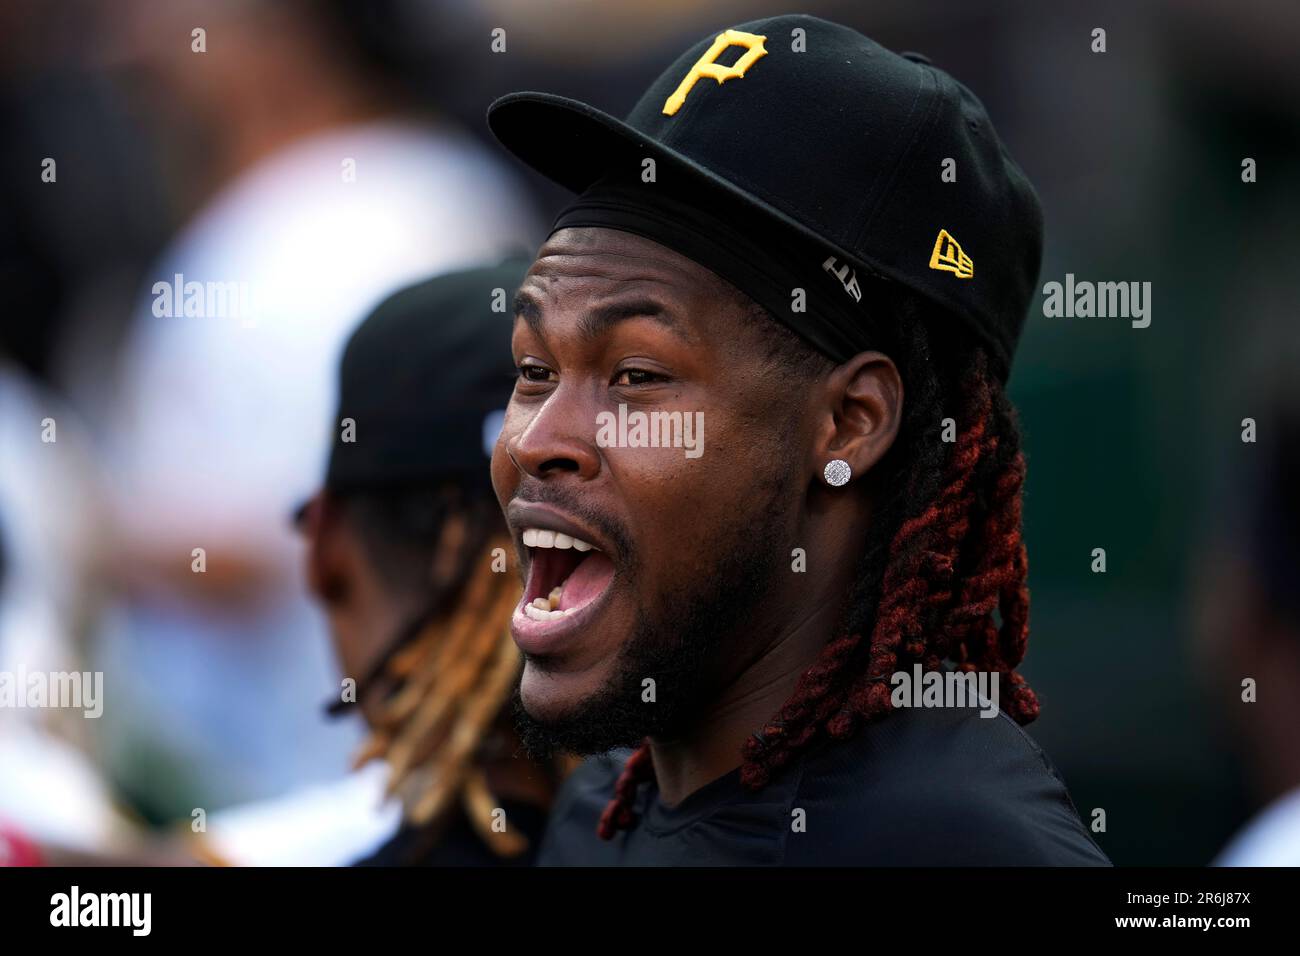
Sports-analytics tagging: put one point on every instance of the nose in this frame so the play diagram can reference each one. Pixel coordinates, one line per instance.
(556, 438)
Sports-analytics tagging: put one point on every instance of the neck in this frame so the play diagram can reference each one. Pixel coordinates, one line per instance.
(712, 747)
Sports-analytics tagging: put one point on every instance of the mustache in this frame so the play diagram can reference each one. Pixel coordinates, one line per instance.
(539, 492)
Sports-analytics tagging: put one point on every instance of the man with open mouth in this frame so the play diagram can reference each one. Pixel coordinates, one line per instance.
(821, 252)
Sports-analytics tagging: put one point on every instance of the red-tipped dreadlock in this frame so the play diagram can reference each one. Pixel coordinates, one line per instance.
(946, 556)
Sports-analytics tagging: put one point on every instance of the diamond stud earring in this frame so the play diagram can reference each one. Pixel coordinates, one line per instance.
(837, 472)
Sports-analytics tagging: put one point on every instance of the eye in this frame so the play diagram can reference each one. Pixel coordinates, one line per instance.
(637, 376)
(533, 372)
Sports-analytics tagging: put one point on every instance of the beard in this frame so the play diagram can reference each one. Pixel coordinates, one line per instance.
(681, 645)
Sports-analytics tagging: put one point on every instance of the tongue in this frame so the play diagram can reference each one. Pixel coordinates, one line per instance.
(587, 581)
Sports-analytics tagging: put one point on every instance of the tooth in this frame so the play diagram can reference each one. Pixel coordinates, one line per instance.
(545, 539)
(530, 537)
(554, 597)
(580, 545)
(538, 614)
(541, 604)
(563, 540)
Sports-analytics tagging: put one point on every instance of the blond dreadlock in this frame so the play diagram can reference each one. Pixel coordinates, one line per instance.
(455, 678)
(451, 673)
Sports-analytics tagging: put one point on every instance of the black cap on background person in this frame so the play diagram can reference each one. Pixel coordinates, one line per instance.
(406, 555)
(424, 380)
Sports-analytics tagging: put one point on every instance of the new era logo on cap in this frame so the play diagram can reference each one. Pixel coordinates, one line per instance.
(949, 257)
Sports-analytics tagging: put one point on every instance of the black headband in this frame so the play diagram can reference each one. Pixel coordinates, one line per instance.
(757, 258)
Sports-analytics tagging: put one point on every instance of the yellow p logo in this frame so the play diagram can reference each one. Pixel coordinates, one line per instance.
(705, 65)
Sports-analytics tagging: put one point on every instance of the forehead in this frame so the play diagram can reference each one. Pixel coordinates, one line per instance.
(594, 262)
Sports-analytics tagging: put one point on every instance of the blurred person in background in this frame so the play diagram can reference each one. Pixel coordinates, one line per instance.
(323, 190)
(1249, 629)
(407, 555)
(50, 789)
(1233, 291)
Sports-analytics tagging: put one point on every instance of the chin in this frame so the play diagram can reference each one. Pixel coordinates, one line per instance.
(550, 695)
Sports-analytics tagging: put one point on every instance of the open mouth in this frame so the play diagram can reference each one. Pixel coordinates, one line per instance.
(565, 575)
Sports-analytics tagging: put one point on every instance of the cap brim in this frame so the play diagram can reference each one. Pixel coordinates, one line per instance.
(565, 140)
(574, 145)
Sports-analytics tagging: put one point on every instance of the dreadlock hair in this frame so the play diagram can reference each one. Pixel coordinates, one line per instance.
(942, 577)
(452, 670)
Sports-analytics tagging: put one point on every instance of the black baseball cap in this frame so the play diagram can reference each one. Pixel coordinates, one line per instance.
(834, 149)
(425, 380)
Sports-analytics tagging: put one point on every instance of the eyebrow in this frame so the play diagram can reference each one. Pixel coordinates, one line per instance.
(597, 321)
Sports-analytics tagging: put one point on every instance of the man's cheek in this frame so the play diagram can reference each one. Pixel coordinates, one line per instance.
(505, 476)
(663, 479)
(501, 481)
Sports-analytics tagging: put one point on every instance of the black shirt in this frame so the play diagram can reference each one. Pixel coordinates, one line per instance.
(922, 787)
(458, 843)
